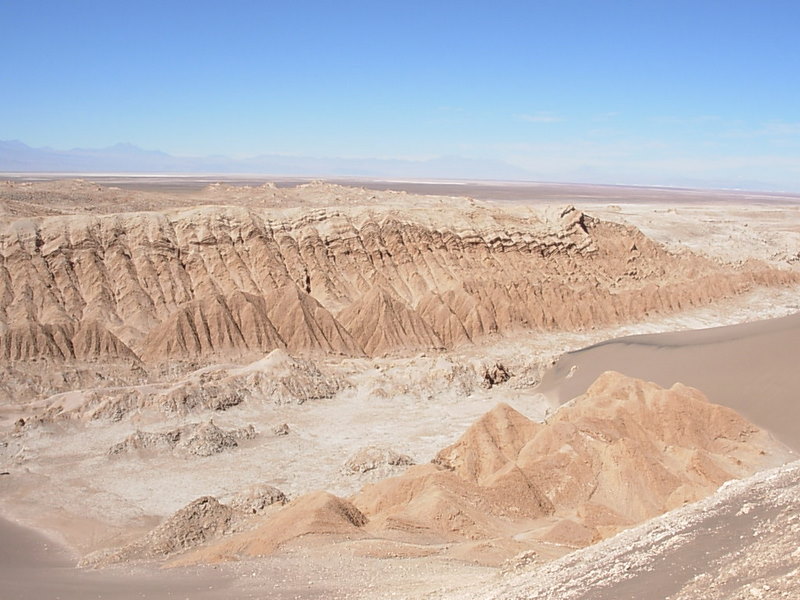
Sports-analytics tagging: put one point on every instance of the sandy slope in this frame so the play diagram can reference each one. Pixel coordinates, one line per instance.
(710, 359)
(742, 542)
(33, 567)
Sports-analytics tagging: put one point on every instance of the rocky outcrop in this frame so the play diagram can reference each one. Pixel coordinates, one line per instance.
(257, 498)
(236, 281)
(495, 374)
(374, 458)
(315, 514)
(200, 521)
(200, 439)
(275, 379)
(624, 452)
(280, 379)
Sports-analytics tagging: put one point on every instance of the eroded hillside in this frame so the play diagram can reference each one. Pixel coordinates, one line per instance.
(624, 452)
(355, 279)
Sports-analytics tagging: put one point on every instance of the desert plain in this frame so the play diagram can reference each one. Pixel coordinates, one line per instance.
(238, 388)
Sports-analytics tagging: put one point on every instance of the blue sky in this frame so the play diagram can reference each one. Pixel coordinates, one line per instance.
(644, 92)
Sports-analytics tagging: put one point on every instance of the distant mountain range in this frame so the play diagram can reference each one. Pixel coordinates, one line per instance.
(16, 156)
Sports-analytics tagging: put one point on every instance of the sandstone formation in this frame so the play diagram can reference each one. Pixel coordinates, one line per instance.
(318, 513)
(384, 322)
(275, 379)
(213, 281)
(624, 452)
(206, 519)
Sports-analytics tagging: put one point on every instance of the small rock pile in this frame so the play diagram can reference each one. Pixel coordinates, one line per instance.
(199, 439)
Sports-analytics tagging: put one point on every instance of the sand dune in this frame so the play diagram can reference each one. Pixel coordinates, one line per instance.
(751, 368)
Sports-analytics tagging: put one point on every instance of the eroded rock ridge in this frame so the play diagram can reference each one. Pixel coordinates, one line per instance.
(229, 281)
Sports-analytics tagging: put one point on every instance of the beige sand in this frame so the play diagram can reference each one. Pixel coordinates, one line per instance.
(752, 368)
(33, 567)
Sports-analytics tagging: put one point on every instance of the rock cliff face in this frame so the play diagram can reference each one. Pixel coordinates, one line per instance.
(221, 281)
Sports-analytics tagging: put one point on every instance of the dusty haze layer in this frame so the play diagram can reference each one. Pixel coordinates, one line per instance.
(214, 352)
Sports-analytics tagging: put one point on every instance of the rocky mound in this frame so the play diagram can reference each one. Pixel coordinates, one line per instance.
(208, 281)
(275, 379)
(374, 458)
(202, 520)
(257, 498)
(740, 542)
(624, 452)
(280, 379)
(495, 374)
(318, 513)
(640, 449)
(428, 504)
(488, 445)
(199, 439)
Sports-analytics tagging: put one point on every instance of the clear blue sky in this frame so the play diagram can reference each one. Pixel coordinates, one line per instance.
(660, 92)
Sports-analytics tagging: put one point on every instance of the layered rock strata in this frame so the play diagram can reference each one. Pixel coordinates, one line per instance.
(230, 281)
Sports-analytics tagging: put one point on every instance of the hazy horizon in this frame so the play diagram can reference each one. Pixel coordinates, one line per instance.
(669, 94)
(342, 170)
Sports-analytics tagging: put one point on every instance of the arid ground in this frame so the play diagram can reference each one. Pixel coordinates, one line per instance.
(364, 389)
